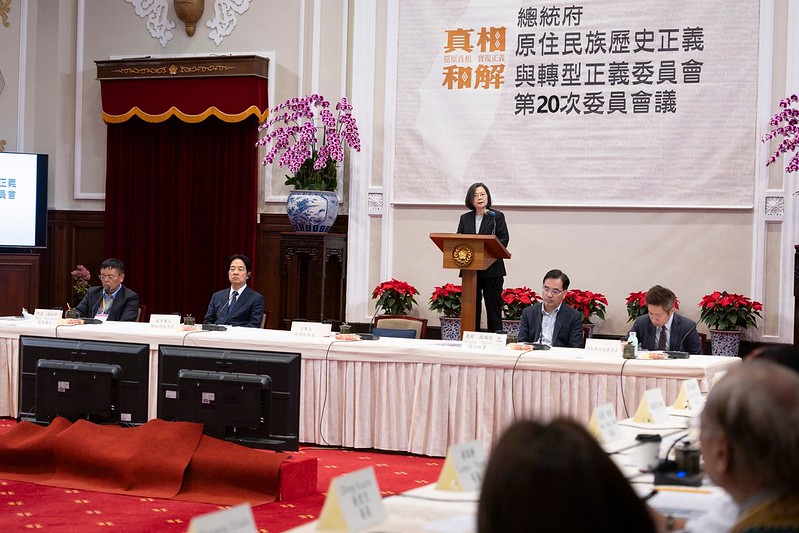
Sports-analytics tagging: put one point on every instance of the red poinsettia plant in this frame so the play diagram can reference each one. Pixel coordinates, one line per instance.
(395, 297)
(514, 301)
(726, 311)
(636, 305)
(446, 300)
(587, 302)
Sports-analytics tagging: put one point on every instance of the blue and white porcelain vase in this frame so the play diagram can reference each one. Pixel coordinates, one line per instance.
(726, 343)
(312, 210)
(450, 328)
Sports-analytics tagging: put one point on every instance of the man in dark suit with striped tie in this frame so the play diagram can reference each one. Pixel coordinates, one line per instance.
(237, 305)
(664, 329)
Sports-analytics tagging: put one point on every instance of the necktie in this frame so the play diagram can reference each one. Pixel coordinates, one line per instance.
(662, 339)
(233, 299)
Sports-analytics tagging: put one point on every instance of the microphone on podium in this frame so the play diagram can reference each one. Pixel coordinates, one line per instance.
(493, 216)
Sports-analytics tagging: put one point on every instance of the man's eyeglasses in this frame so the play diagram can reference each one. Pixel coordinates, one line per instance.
(104, 277)
(553, 292)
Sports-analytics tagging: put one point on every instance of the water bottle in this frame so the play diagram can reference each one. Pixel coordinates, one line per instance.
(632, 340)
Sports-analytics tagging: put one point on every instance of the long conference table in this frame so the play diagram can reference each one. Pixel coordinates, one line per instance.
(419, 396)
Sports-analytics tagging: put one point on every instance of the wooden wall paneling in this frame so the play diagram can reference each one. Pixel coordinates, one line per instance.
(267, 263)
(20, 280)
(74, 237)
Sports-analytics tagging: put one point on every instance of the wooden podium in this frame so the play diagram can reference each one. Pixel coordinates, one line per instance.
(469, 253)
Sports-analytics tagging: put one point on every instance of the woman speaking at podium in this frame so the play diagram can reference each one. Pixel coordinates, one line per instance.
(489, 281)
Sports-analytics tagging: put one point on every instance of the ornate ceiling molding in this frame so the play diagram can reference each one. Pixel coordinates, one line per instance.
(225, 18)
(158, 24)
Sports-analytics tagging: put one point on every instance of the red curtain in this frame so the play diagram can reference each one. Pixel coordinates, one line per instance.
(180, 199)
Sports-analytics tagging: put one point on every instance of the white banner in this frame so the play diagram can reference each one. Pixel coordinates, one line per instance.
(592, 103)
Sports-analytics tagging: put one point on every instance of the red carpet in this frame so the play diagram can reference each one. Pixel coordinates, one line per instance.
(158, 459)
(27, 506)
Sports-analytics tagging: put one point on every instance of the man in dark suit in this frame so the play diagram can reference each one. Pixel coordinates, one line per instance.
(238, 305)
(552, 322)
(490, 280)
(111, 300)
(662, 328)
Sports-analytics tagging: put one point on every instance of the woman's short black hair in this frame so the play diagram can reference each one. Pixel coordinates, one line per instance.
(470, 195)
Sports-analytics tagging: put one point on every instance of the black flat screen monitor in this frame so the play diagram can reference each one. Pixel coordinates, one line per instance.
(250, 397)
(132, 359)
(23, 200)
(77, 390)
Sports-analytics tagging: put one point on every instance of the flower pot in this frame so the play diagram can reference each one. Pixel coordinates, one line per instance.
(725, 343)
(588, 330)
(450, 328)
(511, 326)
(312, 210)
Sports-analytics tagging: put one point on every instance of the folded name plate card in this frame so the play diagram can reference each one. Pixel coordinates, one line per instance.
(310, 330)
(164, 321)
(47, 317)
(478, 341)
(603, 424)
(238, 519)
(652, 409)
(463, 468)
(690, 397)
(353, 503)
(608, 346)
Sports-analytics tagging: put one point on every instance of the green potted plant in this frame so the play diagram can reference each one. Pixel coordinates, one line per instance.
(306, 137)
(514, 302)
(395, 297)
(727, 315)
(589, 304)
(446, 300)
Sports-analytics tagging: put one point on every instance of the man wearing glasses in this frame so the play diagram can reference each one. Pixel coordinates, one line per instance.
(552, 322)
(110, 301)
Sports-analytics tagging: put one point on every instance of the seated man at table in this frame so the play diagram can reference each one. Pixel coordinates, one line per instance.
(110, 300)
(663, 328)
(749, 436)
(552, 322)
(237, 305)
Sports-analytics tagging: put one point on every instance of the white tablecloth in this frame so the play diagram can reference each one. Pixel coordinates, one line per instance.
(410, 395)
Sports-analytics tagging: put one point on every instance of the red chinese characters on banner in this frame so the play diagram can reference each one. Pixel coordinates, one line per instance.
(484, 48)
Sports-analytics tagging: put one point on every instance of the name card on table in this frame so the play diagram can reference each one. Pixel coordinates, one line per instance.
(164, 321)
(652, 409)
(238, 519)
(478, 341)
(603, 424)
(690, 397)
(463, 468)
(47, 317)
(310, 330)
(608, 346)
(353, 502)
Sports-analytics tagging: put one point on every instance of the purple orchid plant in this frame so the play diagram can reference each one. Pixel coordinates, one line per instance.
(307, 138)
(789, 131)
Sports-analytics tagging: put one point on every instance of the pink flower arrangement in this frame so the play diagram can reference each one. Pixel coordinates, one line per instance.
(80, 280)
(305, 137)
(790, 131)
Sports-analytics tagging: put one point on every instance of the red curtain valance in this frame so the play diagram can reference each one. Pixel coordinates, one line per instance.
(191, 89)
